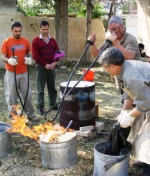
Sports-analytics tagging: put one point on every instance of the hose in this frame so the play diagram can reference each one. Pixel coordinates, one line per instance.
(22, 104)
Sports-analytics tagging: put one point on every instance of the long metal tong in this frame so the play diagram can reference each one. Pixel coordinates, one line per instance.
(71, 75)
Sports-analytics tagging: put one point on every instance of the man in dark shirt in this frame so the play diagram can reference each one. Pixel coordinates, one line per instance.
(43, 49)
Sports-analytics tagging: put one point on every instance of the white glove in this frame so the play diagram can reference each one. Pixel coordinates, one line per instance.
(13, 61)
(28, 60)
(92, 38)
(125, 119)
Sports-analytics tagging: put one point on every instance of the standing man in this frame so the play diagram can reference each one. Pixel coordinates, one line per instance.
(122, 40)
(15, 53)
(43, 49)
(135, 78)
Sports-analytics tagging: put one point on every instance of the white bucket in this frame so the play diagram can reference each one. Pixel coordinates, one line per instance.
(108, 165)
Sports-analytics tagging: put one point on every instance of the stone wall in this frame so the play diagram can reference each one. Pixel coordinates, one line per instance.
(7, 5)
(76, 31)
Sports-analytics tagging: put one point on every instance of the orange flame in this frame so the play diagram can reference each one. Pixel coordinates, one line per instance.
(19, 126)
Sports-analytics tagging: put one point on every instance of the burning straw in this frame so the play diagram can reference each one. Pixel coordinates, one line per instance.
(46, 132)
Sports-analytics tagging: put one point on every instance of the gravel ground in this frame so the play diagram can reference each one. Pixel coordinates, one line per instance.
(26, 155)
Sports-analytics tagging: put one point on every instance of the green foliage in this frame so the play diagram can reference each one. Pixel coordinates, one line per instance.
(82, 12)
(81, 9)
(32, 12)
(74, 6)
(97, 12)
(37, 7)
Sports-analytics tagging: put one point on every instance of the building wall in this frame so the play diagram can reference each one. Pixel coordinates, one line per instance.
(76, 31)
(132, 25)
(7, 5)
(144, 23)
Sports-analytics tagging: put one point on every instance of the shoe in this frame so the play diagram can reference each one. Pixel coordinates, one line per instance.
(34, 119)
(55, 107)
(138, 164)
(40, 111)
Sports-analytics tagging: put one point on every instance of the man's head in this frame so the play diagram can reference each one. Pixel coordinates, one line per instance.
(112, 60)
(115, 25)
(16, 29)
(44, 27)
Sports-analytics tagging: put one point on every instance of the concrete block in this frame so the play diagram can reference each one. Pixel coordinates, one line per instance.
(87, 128)
(99, 126)
(77, 133)
(86, 133)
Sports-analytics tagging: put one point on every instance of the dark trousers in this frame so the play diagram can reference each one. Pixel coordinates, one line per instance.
(146, 170)
(44, 77)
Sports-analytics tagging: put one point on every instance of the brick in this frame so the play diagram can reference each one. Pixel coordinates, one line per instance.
(86, 128)
(77, 133)
(85, 133)
(99, 126)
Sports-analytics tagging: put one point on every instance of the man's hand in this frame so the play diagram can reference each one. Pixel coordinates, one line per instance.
(125, 119)
(13, 61)
(113, 39)
(51, 66)
(92, 38)
(28, 60)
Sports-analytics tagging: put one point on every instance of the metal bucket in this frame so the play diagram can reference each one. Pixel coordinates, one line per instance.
(59, 155)
(108, 165)
(5, 140)
(79, 105)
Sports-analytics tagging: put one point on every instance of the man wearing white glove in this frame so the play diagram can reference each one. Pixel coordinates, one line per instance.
(135, 78)
(14, 49)
(13, 61)
(122, 40)
(28, 60)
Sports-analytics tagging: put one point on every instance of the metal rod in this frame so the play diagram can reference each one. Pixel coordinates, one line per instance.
(64, 95)
(68, 126)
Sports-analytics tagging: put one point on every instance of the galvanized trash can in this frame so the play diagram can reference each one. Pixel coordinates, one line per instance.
(108, 165)
(5, 140)
(59, 155)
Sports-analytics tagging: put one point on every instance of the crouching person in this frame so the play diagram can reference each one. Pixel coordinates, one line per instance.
(134, 78)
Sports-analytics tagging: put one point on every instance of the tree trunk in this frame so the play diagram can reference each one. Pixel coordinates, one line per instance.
(61, 26)
(111, 9)
(88, 27)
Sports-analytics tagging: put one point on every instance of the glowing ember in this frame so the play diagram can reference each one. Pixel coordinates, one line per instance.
(46, 132)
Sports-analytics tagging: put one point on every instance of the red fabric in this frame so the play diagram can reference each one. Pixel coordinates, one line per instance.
(42, 52)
